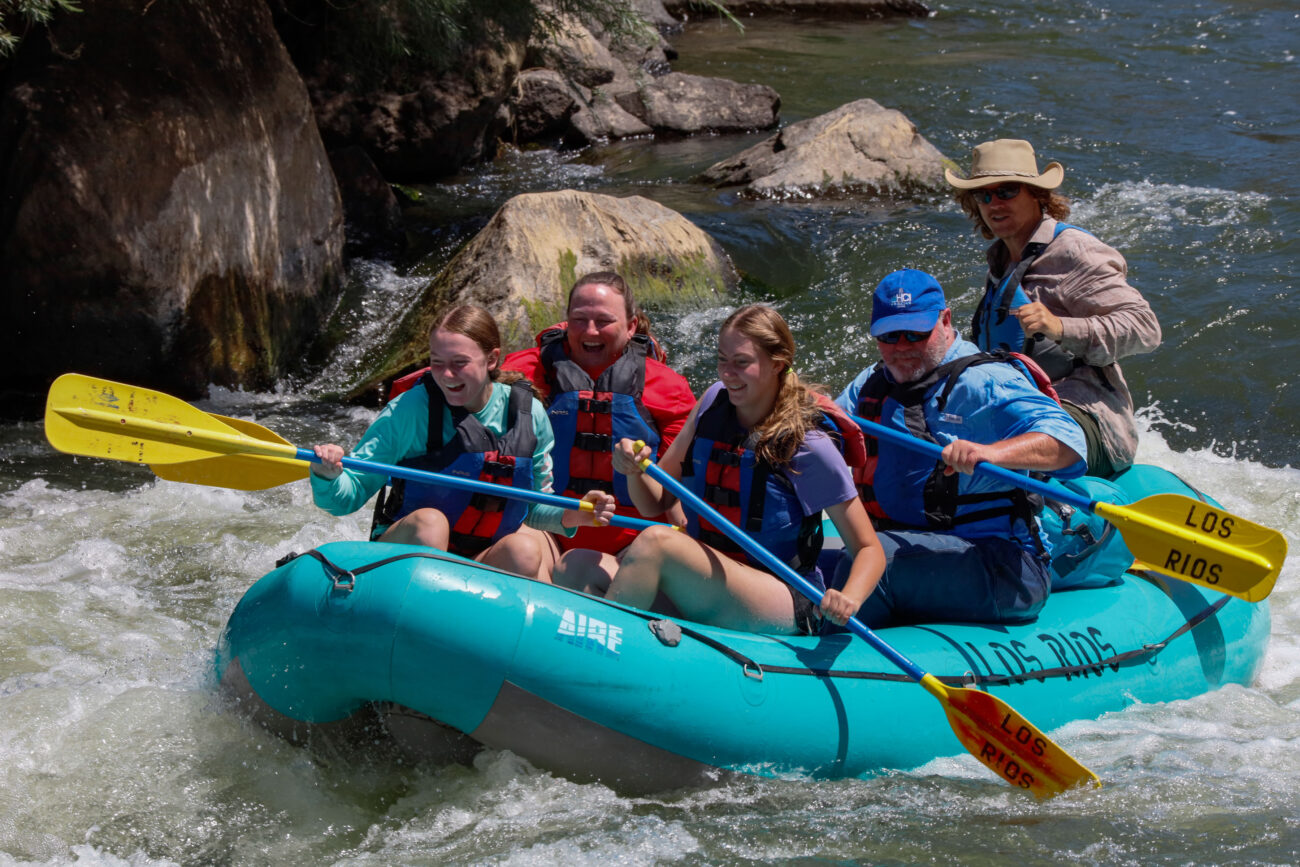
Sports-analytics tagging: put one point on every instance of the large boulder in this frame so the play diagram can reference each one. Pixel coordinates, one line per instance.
(431, 129)
(542, 104)
(572, 92)
(521, 265)
(682, 103)
(168, 215)
(600, 118)
(575, 50)
(859, 148)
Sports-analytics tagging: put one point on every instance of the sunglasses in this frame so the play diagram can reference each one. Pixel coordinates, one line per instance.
(893, 337)
(1006, 193)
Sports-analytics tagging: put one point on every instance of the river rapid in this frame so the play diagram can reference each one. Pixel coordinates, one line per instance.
(1179, 131)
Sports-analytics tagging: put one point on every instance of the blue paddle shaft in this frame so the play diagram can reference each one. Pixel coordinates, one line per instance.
(777, 567)
(1019, 480)
(479, 487)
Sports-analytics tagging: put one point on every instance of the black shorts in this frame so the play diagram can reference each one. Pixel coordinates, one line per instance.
(806, 618)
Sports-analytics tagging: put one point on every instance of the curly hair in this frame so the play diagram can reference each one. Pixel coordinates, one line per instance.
(795, 413)
(1050, 202)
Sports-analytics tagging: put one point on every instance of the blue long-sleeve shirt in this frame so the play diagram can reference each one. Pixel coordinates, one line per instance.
(990, 402)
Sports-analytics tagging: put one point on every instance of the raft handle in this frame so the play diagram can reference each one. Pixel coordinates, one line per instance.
(752, 669)
(345, 581)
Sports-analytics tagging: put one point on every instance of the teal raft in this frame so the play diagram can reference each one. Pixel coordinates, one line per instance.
(451, 653)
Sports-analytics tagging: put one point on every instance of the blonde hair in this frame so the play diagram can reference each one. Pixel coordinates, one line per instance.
(480, 326)
(795, 412)
(1050, 202)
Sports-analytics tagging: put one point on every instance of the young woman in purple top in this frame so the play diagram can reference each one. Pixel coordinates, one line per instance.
(756, 448)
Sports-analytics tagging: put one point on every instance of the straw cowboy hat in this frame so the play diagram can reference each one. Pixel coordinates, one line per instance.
(1007, 159)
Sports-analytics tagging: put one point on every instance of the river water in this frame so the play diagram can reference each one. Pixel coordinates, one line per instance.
(1179, 130)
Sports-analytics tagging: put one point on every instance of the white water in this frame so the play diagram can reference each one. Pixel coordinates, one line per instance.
(114, 747)
(1177, 124)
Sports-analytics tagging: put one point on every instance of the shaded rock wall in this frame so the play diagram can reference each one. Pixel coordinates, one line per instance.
(169, 216)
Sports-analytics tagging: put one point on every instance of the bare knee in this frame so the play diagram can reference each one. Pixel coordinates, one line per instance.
(426, 527)
(649, 546)
(520, 553)
(588, 571)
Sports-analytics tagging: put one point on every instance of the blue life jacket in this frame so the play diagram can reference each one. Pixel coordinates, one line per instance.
(588, 418)
(994, 328)
(473, 452)
(911, 491)
(1087, 550)
(751, 493)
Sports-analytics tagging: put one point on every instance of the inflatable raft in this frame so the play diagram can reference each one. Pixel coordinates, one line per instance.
(446, 650)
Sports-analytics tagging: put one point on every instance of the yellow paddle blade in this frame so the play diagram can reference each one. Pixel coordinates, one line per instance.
(241, 472)
(1007, 743)
(105, 419)
(1191, 540)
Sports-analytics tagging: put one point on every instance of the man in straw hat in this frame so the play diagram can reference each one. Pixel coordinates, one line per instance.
(1056, 293)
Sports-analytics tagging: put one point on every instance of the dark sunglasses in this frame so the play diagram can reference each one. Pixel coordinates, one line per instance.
(1006, 193)
(911, 336)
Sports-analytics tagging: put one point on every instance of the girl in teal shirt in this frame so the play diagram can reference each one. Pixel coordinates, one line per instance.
(466, 418)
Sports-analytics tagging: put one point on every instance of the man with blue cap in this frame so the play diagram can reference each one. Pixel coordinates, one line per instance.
(960, 545)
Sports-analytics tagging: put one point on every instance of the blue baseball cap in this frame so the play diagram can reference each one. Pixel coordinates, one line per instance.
(907, 300)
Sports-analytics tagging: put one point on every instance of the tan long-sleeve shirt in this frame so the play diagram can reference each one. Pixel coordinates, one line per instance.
(1085, 283)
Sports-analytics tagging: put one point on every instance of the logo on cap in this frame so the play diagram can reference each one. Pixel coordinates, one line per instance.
(902, 299)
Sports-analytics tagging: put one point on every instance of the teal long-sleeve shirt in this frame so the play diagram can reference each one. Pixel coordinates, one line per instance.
(401, 431)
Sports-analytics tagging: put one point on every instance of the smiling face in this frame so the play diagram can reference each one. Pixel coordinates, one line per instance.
(598, 327)
(461, 369)
(1011, 220)
(908, 362)
(751, 376)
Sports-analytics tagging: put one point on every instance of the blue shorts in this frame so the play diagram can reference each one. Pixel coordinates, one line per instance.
(942, 578)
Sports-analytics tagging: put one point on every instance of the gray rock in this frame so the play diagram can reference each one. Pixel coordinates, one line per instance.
(683, 103)
(602, 118)
(577, 53)
(523, 262)
(543, 102)
(860, 147)
(169, 215)
(431, 131)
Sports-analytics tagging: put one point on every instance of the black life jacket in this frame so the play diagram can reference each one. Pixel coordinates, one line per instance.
(938, 505)
(477, 520)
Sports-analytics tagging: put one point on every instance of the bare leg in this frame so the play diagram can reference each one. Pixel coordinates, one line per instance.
(704, 584)
(427, 527)
(588, 571)
(527, 552)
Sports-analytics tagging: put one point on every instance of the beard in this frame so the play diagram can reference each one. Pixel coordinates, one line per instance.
(909, 367)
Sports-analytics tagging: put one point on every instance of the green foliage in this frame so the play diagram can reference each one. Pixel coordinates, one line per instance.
(17, 17)
(568, 269)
